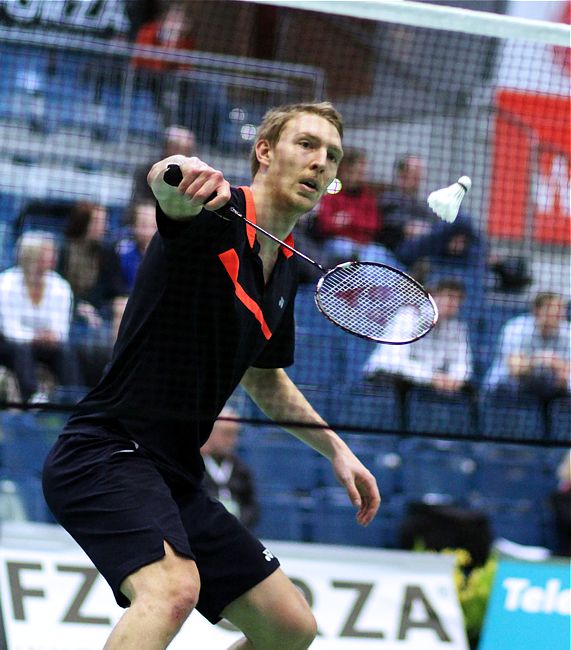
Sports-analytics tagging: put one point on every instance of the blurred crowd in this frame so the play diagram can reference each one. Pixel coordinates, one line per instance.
(62, 301)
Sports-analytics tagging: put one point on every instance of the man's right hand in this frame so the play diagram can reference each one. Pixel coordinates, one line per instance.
(199, 182)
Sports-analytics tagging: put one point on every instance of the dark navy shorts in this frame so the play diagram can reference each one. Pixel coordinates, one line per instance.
(120, 507)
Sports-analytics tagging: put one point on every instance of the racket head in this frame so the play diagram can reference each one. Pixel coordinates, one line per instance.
(376, 302)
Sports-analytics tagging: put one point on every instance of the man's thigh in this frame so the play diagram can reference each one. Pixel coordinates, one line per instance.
(270, 610)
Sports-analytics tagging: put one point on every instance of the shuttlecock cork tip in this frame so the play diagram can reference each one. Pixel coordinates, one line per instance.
(466, 182)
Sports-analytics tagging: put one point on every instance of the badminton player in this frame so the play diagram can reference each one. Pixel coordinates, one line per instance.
(212, 307)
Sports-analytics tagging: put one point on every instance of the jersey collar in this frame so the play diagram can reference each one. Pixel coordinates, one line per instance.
(251, 216)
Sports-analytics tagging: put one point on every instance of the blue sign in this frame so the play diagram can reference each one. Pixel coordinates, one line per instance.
(530, 607)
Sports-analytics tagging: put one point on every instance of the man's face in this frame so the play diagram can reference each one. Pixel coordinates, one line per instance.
(304, 162)
(448, 302)
(145, 225)
(549, 315)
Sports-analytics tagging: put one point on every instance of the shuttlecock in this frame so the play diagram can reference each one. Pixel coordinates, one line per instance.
(446, 202)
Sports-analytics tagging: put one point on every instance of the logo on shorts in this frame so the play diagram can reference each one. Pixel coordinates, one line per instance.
(268, 555)
(281, 302)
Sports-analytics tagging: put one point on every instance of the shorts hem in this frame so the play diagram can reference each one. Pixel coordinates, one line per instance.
(120, 598)
(214, 614)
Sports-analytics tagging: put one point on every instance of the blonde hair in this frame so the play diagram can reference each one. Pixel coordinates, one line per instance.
(275, 119)
(31, 244)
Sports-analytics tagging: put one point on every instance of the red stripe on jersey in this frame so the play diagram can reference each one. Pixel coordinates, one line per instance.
(232, 264)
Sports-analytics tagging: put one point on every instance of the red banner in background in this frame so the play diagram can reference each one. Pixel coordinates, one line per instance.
(531, 164)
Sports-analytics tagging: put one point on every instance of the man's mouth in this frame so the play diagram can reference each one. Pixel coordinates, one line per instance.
(310, 184)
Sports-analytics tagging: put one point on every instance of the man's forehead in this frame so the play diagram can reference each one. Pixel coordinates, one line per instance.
(313, 125)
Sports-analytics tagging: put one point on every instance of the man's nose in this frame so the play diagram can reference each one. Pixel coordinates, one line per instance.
(320, 159)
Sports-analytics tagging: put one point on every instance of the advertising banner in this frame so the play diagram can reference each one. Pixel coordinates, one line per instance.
(530, 607)
(530, 190)
(56, 600)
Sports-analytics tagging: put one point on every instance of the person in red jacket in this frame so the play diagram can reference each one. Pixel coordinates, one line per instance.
(349, 221)
(200, 105)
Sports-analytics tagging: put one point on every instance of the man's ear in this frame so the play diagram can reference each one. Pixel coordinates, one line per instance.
(263, 152)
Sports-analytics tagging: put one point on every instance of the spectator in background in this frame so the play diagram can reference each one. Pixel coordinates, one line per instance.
(132, 247)
(177, 140)
(35, 314)
(534, 352)
(227, 477)
(203, 106)
(414, 233)
(93, 269)
(349, 221)
(442, 360)
(405, 215)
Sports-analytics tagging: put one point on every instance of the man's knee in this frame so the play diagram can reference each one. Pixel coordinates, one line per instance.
(295, 632)
(169, 588)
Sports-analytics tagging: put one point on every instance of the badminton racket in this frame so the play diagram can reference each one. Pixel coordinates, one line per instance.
(367, 299)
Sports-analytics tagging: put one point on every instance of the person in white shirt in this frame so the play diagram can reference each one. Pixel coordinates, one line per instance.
(441, 360)
(534, 352)
(35, 314)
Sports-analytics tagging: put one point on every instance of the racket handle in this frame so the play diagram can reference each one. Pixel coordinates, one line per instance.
(173, 177)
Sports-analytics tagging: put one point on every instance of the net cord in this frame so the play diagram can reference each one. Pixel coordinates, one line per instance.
(454, 19)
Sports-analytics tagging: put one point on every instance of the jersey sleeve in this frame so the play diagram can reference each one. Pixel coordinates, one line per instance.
(205, 223)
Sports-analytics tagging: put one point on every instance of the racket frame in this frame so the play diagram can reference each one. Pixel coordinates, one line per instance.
(392, 269)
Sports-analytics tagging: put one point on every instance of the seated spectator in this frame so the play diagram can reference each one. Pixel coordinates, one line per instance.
(414, 233)
(227, 477)
(177, 140)
(405, 214)
(203, 106)
(349, 221)
(132, 247)
(36, 304)
(533, 357)
(93, 269)
(441, 360)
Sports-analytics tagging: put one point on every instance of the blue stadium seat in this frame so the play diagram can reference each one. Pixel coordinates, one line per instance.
(507, 471)
(502, 416)
(443, 469)
(366, 406)
(519, 520)
(559, 419)
(358, 350)
(333, 522)
(23, 83)
(282, 516)
(308, 318)
(28, 438)
(144, 119)
(429, 411)
(318, 359)
(21, 497)
(284, 465)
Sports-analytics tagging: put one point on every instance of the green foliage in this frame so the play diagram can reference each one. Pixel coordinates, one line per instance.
(474, 586)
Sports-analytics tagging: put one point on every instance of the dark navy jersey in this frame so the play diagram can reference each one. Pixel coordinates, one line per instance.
(198, 317)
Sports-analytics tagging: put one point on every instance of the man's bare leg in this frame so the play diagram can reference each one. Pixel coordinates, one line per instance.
(162, 595)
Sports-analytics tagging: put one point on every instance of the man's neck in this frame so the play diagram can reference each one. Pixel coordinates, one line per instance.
(278, 221)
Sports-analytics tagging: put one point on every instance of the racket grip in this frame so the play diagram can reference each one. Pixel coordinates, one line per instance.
(173, 177)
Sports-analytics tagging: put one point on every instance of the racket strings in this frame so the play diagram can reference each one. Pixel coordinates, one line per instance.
(376, 302)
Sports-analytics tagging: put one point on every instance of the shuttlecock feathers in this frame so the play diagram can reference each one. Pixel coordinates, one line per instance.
(446, 201)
